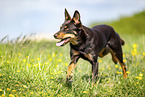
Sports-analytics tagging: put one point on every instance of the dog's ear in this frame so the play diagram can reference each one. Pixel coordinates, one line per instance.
(76, 18)
(67, 16)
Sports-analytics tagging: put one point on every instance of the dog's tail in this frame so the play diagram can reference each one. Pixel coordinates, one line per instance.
(122, 41)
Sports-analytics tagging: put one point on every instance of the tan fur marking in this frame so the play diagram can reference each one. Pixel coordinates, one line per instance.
(101, 53)
(76, 21)
(70, 69)
(75, 52)
(89, 56)
(69, 35)
(122, 64)
(65, 27)
(75, 32)
(60, 35)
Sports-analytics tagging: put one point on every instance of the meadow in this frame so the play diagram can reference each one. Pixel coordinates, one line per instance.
(38, 68)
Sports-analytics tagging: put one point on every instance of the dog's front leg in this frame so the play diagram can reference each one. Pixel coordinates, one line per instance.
(94, 71)
(71, 67)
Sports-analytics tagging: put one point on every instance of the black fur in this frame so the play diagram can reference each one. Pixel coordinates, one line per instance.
(91, 43)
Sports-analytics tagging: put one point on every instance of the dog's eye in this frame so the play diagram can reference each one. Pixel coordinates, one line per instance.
(65, 27)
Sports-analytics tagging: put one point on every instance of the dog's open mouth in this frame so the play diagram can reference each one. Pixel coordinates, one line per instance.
(63, 42)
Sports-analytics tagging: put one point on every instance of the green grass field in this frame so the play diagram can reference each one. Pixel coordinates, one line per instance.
(39, 69)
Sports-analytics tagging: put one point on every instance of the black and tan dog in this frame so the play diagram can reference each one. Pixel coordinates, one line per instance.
(89, 43)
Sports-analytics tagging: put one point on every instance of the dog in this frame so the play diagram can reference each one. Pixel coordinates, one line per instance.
(89, 44)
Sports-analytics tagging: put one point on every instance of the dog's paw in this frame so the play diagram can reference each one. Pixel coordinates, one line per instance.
(69, 81)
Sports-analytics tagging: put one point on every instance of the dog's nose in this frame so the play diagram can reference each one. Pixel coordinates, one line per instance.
(55, 35)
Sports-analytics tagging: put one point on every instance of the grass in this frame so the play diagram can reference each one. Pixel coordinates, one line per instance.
(31, 68)
(39, 69)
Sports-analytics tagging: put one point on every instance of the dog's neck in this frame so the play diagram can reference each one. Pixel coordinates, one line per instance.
(83, 35)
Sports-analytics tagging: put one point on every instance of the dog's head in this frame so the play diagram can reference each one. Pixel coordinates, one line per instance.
(69, 29)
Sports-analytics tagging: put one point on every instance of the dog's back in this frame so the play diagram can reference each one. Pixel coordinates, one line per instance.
(106, 32)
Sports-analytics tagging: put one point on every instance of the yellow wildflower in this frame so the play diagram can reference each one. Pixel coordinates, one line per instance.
(79, 70)
(123, 55)
(134, 52)
(11, 95)
(134, 45)
(13, 91)
(100, 61)
(127, 72)
(46, 63)
(140, 74)
(50, 59)
(31, 92)
(19, 54)
(18, 70)
(32, 59)
(38, 59)
(53, 55)
(16, 95)
(124, 60)
(41, 78)
(119, 72)
(25, 86)
(8, 62)
(10, 77)
(24, 60)
(60, 55)
(8, 89)
(66, 64)
(140, 78)
(1, 90)
(49, 56)
(85, 92)
(16, 85)
(109, 68)
(59, 60)
(29, 65)
(143, 53)
(116, 66)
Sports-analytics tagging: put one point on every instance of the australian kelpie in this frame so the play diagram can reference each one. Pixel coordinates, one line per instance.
(89, 43)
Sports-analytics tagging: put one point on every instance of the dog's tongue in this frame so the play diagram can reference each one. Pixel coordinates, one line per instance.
(62, 42)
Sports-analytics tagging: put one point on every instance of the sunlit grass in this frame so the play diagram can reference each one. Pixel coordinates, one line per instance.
(39, 69)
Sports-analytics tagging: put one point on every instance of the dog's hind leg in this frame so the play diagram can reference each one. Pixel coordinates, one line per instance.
(117, 56)
(103, 52)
